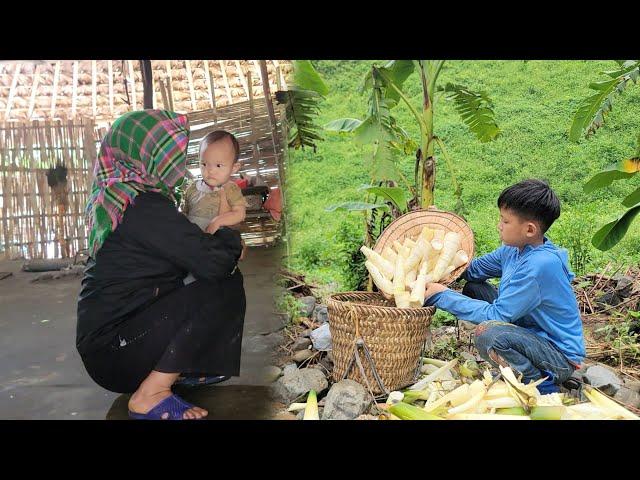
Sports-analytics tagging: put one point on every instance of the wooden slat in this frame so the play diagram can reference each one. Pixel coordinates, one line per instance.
(74, 88)
(12, 90)
(170, 85)
(226, 82)
(187, 64)
(110, 64)
(163, 94)
(56, 77)
(243, 80)
(210, 86)
(34, 91)
(93, 86)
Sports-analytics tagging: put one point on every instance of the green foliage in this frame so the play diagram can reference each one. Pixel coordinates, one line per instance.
(305, 77)
(619, 332)
(445, 348)
(573, 231)
(535, 101)
(442, 319)
(287, 304)
(348, 240)
(476, 111)
(589, 117)
(302, 102)
(592, 110)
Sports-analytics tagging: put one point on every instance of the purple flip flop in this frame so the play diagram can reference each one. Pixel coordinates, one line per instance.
(173, 405)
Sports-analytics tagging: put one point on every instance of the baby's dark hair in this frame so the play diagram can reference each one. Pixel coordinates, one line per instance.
(216, 136)
(532, 200)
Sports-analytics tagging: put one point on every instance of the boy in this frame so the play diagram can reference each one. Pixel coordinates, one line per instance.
(214, 201)
(533, 324)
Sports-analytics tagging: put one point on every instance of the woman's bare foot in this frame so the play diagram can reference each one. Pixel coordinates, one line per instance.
(155, 388)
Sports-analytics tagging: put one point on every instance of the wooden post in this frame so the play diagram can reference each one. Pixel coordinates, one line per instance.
(163, 93)
(253, 125)
(147, 83)
(5, 192)
(280, 159)
(169, 85)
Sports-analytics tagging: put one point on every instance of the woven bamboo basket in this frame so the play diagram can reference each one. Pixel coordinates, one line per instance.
(411, 224)
(395, 338)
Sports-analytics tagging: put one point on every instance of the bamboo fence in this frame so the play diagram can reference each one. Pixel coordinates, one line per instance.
(34, 222)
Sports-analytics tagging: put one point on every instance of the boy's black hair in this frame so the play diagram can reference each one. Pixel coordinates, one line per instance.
(532, 200)
(218, 135)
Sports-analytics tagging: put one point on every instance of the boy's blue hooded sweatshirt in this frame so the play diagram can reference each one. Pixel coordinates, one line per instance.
(535, 293)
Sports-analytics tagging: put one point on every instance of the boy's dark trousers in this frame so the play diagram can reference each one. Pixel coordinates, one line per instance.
(513, 345)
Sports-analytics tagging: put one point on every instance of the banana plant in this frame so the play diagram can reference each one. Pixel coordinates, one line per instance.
(389, 140)
(302, 101)
(589, 117)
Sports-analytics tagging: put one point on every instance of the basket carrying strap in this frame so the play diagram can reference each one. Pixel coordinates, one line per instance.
(359, 343)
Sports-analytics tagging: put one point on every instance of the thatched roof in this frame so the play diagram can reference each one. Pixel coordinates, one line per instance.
(31, 90)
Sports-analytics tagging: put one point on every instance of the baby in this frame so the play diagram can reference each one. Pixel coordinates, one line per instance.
(214, 201)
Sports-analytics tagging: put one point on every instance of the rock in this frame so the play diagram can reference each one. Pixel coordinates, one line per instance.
(320, 314)
(330, 357)
(367, 417)
(328, 366)
(306, 333)
(271, 373)
(302, 355)
(285, 416)
(444, 331)
(301, 344)
(395, 397)
(623, 281)
(628, 397)
(603, 379)
(610, 298)
(309, 305)
(468, 356)
(632, 385)
(467, 325)
(321, 338)
(624, 284)
(295, 384)
(289, 369)
(346, 400)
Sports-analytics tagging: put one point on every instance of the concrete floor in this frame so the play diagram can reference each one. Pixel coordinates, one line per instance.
(42, 376)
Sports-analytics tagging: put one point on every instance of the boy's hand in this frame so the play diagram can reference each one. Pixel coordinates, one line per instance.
(433, 288)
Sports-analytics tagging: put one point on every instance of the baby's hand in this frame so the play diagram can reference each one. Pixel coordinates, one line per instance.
(213, 226)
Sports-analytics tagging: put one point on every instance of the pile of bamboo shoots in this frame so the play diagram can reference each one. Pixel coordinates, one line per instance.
(403, 272)
(475, 396)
